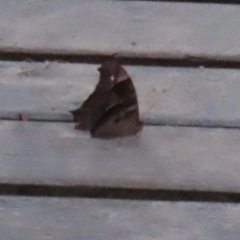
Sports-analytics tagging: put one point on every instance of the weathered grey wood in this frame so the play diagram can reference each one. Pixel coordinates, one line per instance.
(160, 158)
(79, 219)
(166, 95)
(145, 28)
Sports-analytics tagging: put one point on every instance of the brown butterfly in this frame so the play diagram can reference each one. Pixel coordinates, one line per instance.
(112, 109)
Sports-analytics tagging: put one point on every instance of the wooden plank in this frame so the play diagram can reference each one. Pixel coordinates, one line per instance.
(51, 218)
(173, 96)
(160, 158)
(129, 28)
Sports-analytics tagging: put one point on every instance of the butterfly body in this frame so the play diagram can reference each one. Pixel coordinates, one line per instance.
(112, 109)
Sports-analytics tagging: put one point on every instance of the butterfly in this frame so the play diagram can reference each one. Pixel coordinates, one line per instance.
(112, 109)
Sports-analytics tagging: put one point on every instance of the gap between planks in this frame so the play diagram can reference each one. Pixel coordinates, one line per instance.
(141, 59)
(117, 193)
(227, 2)
(161, 121)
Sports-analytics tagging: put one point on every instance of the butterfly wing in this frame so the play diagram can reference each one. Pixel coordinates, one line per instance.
(119, 121)
(92, 108)
(112, 109)
(101, 99)
(122, 119)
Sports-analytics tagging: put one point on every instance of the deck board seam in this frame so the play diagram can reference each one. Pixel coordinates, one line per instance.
(139, 59)
(33, 190)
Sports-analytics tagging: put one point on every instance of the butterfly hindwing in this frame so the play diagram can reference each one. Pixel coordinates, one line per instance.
(120, 121)
(92, 109)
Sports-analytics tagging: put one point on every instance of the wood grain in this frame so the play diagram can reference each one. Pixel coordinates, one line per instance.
(177, 30)
(169, 96)
(51, 218)
(160, 158)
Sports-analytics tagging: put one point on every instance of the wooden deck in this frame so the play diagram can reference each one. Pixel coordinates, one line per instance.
(188, 151)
